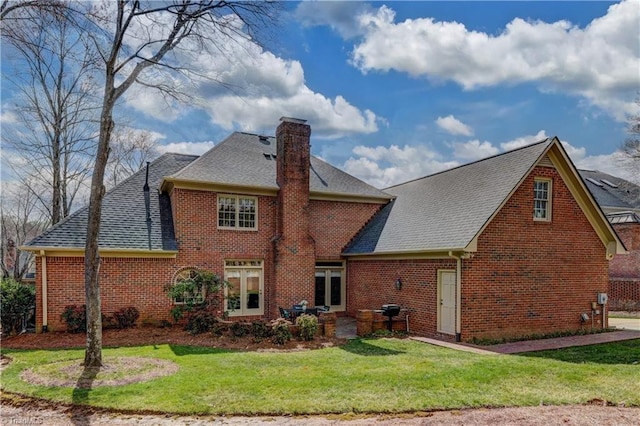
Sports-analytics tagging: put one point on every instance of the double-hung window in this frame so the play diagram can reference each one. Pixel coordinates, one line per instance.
(542, 200)
(237, 212)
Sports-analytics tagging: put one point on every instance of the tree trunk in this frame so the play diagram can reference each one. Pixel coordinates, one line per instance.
(93, 352)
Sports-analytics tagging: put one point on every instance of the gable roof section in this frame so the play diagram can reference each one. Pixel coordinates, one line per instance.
(612, 193)
(247, 161)
(123, 225)
(447, 211)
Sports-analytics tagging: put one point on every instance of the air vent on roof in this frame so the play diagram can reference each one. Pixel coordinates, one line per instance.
(264, 139)
(267, 155)
(613, 185)
(595, 182)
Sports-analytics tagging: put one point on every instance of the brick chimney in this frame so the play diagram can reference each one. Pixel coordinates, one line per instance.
(294, 246)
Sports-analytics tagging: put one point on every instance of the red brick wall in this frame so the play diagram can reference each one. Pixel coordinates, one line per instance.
(203, 245)
(371, 283)
(627, 266)
(624, 294)
(533, 277)
(334, 224)
(123, 283)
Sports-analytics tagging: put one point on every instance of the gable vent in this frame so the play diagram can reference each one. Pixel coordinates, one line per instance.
(545, 162)
(595, 182)
(611, 184)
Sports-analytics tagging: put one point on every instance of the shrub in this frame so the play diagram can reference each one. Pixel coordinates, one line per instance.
(239, 329)
(126, 317)
(260, 330)
(200, 321)
(199, 290)
(280, 333)
(17, 300)
(307, 326)
(76, 318)
(219, 328)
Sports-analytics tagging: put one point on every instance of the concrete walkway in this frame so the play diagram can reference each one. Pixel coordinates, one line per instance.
(346, 329)
(625, 323)
(563, 342)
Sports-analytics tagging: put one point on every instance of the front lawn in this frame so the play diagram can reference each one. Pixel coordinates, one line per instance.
(368, 375)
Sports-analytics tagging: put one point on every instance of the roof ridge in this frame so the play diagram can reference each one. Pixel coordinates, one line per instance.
(547, 140)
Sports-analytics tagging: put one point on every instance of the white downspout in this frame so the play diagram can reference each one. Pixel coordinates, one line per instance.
(45, 320)
(458, 295)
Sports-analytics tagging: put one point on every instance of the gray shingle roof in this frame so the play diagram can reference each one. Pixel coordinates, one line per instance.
(249, 160)
(448, 209)
(124, 224)
(621, 195)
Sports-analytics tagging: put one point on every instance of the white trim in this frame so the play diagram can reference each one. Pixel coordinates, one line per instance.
(549, 205)
(236, 219)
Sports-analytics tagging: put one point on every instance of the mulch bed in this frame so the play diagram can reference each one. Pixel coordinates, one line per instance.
(142, 336)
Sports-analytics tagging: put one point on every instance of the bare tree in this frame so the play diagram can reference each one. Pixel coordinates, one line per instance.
(631, 147)
(130, 150)
(19, 222)
(160, 30)
(9, 9)
(56, 127)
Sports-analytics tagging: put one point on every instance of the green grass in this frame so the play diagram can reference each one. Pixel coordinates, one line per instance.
(368, 375)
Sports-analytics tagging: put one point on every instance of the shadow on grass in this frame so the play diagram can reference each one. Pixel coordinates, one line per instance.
(363, 347)
(181, 350)
(80, 396)
(624, 353)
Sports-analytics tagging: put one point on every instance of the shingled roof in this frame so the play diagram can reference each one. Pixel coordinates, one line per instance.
(249, 160)
(447, 210)
(612, 193)
(124, 215)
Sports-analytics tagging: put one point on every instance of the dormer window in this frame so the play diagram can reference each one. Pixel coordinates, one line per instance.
(542, 200)
(237, 212)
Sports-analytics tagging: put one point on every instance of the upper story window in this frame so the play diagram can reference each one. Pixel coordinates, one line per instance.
(237, 212)
(542, 199)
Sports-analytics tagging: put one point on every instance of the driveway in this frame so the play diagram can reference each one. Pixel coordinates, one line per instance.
(625, 323)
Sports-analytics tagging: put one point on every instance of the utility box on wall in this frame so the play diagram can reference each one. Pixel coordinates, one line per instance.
(602, 298)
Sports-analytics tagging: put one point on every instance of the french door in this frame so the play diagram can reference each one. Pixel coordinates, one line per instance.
(330, 287)
(245, 290)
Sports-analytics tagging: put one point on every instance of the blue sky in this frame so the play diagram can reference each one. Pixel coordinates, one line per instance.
(399, 90)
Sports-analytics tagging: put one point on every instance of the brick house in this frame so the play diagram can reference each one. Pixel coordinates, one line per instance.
(460, 250)
(620, 201)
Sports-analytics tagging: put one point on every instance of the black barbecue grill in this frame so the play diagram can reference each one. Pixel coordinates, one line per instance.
(390, 311)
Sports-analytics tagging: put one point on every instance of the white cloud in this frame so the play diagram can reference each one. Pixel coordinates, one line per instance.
(524, 141)
(599, 62)
(340, 16)
(454, 126)
(193, 148)
(243, 87)
(7, 116)
(383, 166)
(474, 150)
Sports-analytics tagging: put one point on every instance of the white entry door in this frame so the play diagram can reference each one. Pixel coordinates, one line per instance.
(447, 302)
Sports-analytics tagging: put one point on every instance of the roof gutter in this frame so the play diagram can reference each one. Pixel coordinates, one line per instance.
(104, 252)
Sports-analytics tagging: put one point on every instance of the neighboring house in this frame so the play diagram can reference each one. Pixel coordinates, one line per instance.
(511, 245)
(620, 200)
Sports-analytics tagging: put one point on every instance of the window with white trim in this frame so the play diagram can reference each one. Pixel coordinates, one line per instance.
(188, 274)
(237, 212)
(542, 199)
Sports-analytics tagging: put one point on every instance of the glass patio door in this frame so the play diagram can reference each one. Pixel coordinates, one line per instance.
(329, 285)
(244, 294)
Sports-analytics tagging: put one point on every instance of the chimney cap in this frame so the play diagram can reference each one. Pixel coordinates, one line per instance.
(293, 120)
